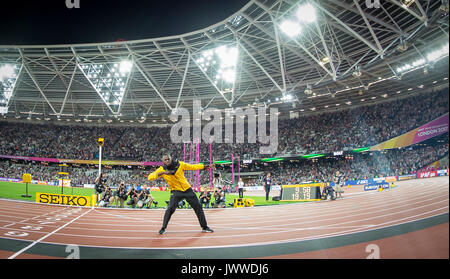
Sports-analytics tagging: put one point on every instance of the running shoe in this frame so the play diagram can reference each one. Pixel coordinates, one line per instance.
(207, 230)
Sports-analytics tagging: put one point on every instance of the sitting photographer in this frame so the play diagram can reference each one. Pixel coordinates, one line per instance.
(205, 197)
(133, 194)
(104, 202)
(219, 192)
(120, 196)
(328, 190)
(180, 204)
(144, 198)
(219, 198)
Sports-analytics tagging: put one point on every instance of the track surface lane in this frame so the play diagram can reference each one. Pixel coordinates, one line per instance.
(367, 214)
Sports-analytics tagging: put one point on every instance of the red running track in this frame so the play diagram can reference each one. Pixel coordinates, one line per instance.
(356, 215)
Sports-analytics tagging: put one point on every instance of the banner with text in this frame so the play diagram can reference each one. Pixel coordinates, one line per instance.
(432, 129)
(63, 199)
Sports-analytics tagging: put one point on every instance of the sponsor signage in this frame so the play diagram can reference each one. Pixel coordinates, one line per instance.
(372, 187)
(432, 129)
(64, 182)
(427, 174)
(253, 188)
(390, 178)
(10, 179)
(406, 177)
(365, 181)
(63, 199)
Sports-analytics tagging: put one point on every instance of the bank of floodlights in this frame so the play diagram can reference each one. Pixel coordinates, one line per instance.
(8, 77)
(220, 64)
(108, 79)
(305, 14)
(430, 58)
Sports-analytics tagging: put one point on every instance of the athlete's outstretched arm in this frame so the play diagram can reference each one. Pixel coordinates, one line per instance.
(157, 173)
(187, 166)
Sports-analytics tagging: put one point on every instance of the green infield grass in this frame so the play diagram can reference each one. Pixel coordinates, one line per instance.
(12, 190)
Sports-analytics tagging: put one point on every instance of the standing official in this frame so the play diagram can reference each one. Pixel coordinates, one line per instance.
(267, 184)
(241, 188)
(339, 182)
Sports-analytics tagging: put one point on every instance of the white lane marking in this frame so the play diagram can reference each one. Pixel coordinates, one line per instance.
(247, 244)
(47, 235)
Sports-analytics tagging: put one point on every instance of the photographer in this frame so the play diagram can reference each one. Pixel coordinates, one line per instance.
(219, 198)
(107, 196)
(133, 194)
(120, 195)
(328, 190)
(144, 198)
(205, 197)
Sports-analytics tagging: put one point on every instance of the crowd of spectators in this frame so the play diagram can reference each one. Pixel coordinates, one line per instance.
(392, 162)
(320, 133)
(347, 129)
(355, 166)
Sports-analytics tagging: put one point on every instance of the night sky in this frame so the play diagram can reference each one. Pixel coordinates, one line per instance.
(51, 22)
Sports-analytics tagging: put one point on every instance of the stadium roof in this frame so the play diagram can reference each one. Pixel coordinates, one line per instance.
(306, 56)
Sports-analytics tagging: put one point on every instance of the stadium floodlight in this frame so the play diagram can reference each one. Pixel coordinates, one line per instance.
(109, 80)
(125, 66)
(357, 72)
(406, 3)
(291, 28)
(7, 71)
(431, 58)
(437, 54)
(220, 65)
(308, 90)
(306, 13)
(287, 98)
(8, 77)
(228, 75)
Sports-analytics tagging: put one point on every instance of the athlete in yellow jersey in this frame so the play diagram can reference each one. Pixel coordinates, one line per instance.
(172, 173)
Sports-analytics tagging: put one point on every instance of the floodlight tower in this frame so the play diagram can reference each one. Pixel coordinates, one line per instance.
(101, 142)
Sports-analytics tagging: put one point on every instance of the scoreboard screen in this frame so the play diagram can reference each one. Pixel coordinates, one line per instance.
(301, 192)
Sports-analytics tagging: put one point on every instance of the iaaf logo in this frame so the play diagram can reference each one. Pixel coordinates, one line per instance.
(216, 126)
(427, 174)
